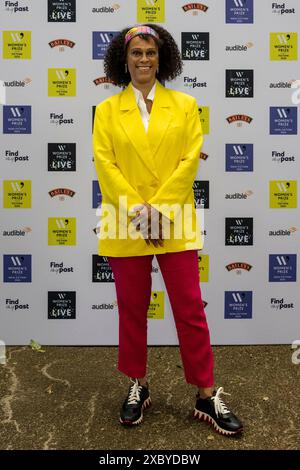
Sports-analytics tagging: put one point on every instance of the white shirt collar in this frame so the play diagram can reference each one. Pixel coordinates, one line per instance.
(139, 96)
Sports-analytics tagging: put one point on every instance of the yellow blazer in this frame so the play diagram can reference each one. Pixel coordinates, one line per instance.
(157, 167)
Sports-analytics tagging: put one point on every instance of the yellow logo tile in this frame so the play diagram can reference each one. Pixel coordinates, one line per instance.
(61, 82)
(62, 231)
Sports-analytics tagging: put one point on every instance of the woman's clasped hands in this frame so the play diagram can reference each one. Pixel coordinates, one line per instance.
(148, 222)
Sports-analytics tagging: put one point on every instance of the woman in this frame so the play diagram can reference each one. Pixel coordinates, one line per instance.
(146, 142)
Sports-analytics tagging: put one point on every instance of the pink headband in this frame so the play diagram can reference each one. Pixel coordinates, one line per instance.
(137, 30)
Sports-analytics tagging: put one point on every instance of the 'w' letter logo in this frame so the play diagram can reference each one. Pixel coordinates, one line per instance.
(239, 3)
(238, 149)
(17, 37)
(237, 297)
(61, 223)
(281, 260)
(15, 112)
(61, 75)
(282, 113)
(283, 39)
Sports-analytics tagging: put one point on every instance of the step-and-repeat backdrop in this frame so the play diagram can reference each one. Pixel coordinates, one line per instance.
(241, 64)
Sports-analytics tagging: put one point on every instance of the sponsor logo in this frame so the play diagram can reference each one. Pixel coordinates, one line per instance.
(16, 194)
(61, 157)
(61, 44)
(189, 82)
(157, 306)
(239, 83)
(101, 270)
(16, 119)
(239, 266)
(150, 11)
(17, 44)
(61, 305)
(282, 232)
(239, 157)
(281, 9)
(203, 266)
(15, 304)
(16, 268)
(59, 119)
(239, 47)
(111, 9)
(281, 84)
(106, 82)
(61, 82)
(239, 11)
(11, 156)
(17, 233)
(105, 306)
(238, 304)
(239, 119)
(244, 195)
(195, 46)
(282, 268)
(204, 118)
(14, 7)
(101, 41)
(60, 268)
(281, 304)
(283, 120)
(97, 196)
(61, 193)
(195, 8)
(62, 231)
(18, 83)
(281, 157)
(201, 194)
(283, 46)
(62, 11)
(239, 231)
(283, 194)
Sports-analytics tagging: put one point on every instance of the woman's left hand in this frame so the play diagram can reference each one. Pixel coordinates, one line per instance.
(148, 222)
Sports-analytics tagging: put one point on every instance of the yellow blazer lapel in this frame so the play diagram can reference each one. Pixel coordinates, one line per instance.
(160, 117)
(132, 124)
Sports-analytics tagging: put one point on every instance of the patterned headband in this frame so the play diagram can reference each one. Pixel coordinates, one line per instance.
(137, 30)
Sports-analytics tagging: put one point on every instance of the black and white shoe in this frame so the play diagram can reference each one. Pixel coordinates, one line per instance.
(214, 411)
(138, 399)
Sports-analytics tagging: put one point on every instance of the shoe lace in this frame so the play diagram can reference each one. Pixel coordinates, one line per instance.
(134, 392)
(220, 407)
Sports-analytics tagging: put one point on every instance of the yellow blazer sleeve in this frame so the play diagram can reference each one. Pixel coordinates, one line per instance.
(112, 181)
(176, 189)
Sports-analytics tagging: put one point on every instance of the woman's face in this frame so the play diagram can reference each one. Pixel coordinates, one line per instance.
(142, 60)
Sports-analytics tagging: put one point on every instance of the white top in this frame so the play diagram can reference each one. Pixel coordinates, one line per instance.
(142, 105)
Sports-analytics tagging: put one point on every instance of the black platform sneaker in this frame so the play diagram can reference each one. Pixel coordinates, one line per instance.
(214, 411)
(137, 400)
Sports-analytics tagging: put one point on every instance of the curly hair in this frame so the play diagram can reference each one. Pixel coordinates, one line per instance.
(170, 63)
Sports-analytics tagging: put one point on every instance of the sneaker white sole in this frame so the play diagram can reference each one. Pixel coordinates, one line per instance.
(146, 404)
(201, 416)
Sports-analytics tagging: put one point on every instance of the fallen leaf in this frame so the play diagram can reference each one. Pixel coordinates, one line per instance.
(35, 346)
(49, 389)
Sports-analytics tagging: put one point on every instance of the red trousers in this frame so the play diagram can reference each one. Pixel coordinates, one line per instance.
(133, 285)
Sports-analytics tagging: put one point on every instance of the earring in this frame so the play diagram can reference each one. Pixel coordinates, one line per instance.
(157, 71)
(126, 68)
